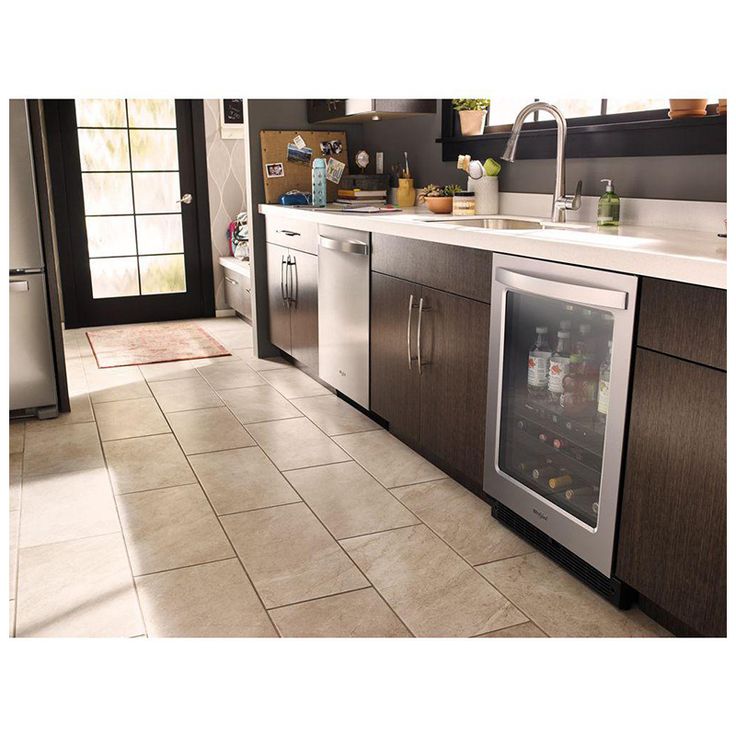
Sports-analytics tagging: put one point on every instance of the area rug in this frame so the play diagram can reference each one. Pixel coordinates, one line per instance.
(141, 344)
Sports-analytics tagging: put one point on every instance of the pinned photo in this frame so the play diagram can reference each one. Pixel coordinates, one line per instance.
(299, 141)
(334, 170)
(331, 148)
(273, 171)
(298, 155)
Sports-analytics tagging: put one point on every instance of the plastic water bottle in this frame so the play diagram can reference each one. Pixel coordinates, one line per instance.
(319, 183)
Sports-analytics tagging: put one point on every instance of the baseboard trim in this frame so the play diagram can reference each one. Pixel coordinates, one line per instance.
(224, 313)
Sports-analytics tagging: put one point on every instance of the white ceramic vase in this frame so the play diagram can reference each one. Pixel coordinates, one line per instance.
(486, 194)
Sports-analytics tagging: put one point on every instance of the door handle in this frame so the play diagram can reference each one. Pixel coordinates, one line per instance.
(568, 292)
(290, 261)
(290, 233)
(408, 330)
(19, 286)
(231, 281)
(356, 247)
(283, 285)
(422, 308)
(185, 199)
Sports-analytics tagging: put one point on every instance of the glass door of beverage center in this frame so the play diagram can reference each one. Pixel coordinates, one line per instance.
(560, 352)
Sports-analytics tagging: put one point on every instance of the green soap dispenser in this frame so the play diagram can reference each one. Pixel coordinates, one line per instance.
(609, 206)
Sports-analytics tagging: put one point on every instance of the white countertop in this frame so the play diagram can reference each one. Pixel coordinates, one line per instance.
(689, 256)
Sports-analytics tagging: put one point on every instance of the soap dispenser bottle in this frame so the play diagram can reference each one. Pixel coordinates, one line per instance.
(609, 206)
(319, 183)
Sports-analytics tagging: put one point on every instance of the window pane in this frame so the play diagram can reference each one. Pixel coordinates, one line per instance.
(114, 277)
(152, 113)
(103, 150)
(107, 194)
(162, 274)
(159, 234)
(156, 192)
(101, 113)
(154, 149)
(503, 110)
(110, 236)
(635, 104)
(575, 108)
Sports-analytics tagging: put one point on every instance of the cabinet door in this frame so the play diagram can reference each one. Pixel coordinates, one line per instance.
(454, 346)
(303, 277)
(279, 313)
(672, 539)
(394, 378)
(318, 110)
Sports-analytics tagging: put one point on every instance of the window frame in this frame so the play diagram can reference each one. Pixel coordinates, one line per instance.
(642, 133)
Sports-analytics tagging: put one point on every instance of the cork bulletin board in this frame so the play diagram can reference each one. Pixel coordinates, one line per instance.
(274, 150)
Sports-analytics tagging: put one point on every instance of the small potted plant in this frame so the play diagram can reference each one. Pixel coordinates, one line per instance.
(472, 115)
(439, 199)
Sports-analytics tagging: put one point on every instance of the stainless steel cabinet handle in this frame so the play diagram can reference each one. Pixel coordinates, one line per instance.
(185, 199)
(290, 261)
(408, 330)
(290, 233)
(231, 281)
(283, 285)
(419, 334)
(19, 286)
(357, 247)
(568, 292)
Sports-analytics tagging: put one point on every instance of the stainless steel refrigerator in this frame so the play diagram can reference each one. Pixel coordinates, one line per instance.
(33, 388)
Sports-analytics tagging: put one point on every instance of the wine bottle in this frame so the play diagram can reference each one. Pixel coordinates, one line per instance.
(581, 492)
(544, 472)
(560, 482)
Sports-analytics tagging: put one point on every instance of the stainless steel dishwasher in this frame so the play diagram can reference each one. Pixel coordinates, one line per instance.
(344, 310)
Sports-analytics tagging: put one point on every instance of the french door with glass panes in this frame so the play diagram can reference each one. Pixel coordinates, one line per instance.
(129, 194)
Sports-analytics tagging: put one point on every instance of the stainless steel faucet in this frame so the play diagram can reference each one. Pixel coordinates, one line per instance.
(561, 202)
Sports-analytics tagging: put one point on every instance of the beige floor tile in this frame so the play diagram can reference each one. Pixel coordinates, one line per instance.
(117, 420)
(258, 404)
(289, 556)
(296, 443)
(520, 631)
(81, 410)
(215, 599)
(13, 525)
(208, 430)
(560, 604)
(17, 434)
(432, 589)
(388, 459)
(146, 463)
(115, 384)
(231, 374)
(259, 364)
(334, 416)
(462, 520)
(15, 469)
(238, 338)
(182, 394)
(57, 508)
(348, 500)
(293, 383)
(240, 480)
(78, 588)
(170, 371)
(54, 448)
(359, 613)
(171, 527)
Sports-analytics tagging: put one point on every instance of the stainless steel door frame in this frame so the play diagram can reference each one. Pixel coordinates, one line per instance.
(344, 311)
(591, 288)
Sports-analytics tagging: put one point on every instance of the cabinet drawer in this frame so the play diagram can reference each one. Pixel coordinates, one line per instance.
(683, 320)
(458, 270)
(292, 233)
(236, 295)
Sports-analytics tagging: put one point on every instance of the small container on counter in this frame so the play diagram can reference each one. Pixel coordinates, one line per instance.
(463, 203)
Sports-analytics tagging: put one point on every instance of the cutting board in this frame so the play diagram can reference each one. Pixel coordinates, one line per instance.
(274, 145)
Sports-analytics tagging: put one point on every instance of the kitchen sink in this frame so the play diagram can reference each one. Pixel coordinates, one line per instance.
(498, 223)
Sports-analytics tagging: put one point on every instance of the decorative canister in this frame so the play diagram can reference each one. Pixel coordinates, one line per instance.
(463, 203)
(486, 195)
(406, 195)
(319, 183)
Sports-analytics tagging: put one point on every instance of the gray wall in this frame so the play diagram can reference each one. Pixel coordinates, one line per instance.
(649, 177)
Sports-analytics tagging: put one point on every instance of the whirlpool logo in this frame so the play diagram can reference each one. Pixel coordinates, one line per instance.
(542, 516)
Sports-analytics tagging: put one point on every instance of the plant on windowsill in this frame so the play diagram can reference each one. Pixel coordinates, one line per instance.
(472, 114)
(439, 199)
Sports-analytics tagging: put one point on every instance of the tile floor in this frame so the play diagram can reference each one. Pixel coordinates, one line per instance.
(237, 497)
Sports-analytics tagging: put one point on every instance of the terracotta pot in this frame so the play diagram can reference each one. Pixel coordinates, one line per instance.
(687, 108)
(472, 122)
(439, 205)
(722, 103)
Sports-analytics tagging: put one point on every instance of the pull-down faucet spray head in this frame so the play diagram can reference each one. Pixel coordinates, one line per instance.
(510, 153)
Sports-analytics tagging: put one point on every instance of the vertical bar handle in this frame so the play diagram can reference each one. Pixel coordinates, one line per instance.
(408, 330)
(283, 292)
(419, 334)
(290, 261)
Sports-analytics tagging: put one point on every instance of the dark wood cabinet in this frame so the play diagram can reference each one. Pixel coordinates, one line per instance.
(394, 376)
(303, 278)
(672, 538)
(441, 410)
(292, 302)
(319, 110)
(361, 110)
(455, 334)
